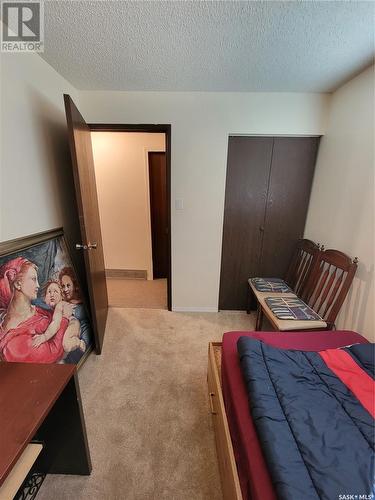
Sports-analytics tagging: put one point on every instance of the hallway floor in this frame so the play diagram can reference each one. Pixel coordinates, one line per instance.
(148, 294)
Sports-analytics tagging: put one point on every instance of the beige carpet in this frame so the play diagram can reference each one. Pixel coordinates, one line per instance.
(149, 294)
(146, 409)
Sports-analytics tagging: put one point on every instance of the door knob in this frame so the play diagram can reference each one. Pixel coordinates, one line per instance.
(89, 246)
(261, 229)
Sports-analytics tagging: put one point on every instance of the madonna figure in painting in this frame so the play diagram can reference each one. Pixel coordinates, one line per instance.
(53, 298)
(43, 318)
(21, 321)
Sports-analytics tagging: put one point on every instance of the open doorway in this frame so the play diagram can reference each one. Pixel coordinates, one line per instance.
(132, 168)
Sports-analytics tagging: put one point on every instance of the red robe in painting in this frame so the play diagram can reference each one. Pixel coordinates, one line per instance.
(16, 344)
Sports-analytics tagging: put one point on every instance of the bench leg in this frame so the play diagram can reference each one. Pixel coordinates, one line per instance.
(248, 306)
(259, 322)
(251, 301)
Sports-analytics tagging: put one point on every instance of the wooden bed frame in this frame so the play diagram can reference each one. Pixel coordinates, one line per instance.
(230, 483)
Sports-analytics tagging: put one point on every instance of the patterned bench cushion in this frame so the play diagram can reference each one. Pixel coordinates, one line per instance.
(291, 308)
(270, 285)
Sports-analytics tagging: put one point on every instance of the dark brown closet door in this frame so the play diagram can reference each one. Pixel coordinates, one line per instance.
(292, 170)
(248, 166)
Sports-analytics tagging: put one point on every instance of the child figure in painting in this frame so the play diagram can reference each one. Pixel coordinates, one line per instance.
(54, 299)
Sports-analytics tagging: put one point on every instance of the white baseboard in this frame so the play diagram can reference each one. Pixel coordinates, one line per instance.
(195, 309)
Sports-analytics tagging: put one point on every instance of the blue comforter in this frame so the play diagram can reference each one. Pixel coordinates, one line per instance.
(318, 440)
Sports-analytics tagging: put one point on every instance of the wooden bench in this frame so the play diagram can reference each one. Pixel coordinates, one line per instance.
(303, 260)
(325, 291)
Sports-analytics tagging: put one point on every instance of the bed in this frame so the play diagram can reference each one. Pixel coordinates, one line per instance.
(243, 469)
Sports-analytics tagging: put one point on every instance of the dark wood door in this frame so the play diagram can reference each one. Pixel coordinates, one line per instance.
(292, 170)
(249, 160)
(88, 211)
(266, 200)
(159, 215)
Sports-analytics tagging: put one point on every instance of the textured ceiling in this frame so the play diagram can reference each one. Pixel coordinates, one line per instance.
(304, 46)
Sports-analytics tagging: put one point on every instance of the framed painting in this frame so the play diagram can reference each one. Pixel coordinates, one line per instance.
(43, 317)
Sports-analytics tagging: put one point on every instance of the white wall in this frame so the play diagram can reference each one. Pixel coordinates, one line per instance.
(341, 212)
(201, 123)
(37, 193)
(34, 153)
(36, 184)
(121, 169)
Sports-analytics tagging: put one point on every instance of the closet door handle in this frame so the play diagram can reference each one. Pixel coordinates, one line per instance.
(261, 229)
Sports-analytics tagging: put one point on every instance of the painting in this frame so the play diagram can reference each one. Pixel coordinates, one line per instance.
(43, 317)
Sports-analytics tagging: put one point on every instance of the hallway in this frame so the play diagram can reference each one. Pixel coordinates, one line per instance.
(148, 294)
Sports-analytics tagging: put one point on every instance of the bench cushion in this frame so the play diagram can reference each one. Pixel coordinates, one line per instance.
(271, 285)
(291, 308)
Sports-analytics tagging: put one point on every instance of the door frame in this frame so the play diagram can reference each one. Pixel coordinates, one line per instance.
(155, 129)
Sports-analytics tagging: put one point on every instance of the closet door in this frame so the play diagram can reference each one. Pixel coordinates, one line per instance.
(248, 167)
(292, 170)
